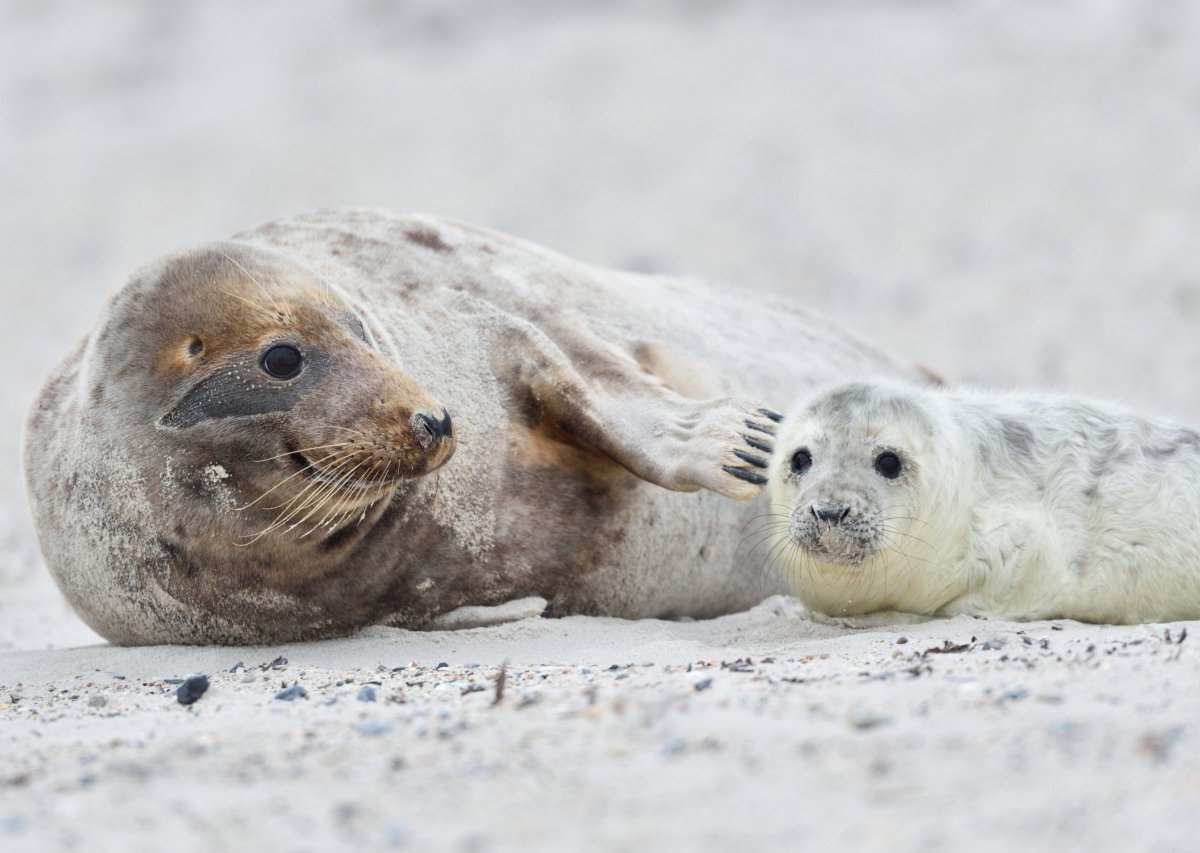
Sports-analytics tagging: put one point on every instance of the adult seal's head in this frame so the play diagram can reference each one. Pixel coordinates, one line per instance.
(863, 490)
(226, 434)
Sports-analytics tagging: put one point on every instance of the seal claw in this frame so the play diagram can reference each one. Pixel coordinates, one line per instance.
(759, 428)
(757, 444)
(756, 461)
(743, 474)
(767, 413)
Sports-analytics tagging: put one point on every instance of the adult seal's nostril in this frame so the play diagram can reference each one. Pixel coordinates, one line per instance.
(833, 513)
(446, 427)
(430, 430)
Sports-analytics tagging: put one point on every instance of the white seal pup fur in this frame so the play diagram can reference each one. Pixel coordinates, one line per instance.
(891, 499)
(351, 417)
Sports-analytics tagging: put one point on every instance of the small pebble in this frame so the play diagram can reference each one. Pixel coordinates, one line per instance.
(373, 728)
(291, 694)
(864, 720)
(900, 641)
(368, 693)
(1014, 695)
(191, 689)
(1158, 745)
(97, 701)
(395, 834)
(702, 684)
(1066, 729)
(673, 747)
(12, 824)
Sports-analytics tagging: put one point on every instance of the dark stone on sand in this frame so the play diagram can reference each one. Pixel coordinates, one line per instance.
(291, 694)
(191, 689)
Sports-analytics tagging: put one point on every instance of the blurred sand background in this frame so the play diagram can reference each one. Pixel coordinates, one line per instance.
(1008, 192)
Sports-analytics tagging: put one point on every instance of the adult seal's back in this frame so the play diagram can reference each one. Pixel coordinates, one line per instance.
(352, 417)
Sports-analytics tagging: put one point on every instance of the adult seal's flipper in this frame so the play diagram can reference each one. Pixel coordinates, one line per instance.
(485, 617)
(599, 396)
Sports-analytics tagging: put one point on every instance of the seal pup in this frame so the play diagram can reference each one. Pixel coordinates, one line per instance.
(352, 417)
(888, 498)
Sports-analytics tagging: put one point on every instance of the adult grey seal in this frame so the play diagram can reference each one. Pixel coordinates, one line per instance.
(894, 499)
(352, 417)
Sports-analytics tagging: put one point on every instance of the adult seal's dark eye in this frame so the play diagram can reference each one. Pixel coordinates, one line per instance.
(282, 361)
(801, 461)
(888, 465)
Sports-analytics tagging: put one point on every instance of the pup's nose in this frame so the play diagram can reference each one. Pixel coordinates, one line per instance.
(832, 513)
(431, 429)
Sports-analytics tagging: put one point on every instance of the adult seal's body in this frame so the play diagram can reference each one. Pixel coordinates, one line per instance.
(888, 498)
(352, 417)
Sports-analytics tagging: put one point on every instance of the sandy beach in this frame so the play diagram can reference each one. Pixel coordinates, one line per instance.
(1007, 193)
(762, 730)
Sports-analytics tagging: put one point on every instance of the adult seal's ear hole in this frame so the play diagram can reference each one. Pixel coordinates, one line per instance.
(195, 348)
(282, 361)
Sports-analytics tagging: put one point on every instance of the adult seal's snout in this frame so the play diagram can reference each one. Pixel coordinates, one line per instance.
(432, 430)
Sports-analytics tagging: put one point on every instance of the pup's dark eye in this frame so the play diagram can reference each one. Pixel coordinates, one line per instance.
(282, 361)
(888, 465)
(801, 461)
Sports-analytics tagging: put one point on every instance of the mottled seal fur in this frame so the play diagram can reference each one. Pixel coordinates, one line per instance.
(938, 501)
(455, 418)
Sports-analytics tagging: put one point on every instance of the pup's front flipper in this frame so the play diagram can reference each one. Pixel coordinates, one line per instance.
(879, 619)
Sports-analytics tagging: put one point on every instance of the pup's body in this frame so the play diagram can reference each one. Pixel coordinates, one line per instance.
(938, 501)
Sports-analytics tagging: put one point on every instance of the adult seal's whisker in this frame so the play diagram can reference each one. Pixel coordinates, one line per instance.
(304, 450)
(298, 473)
